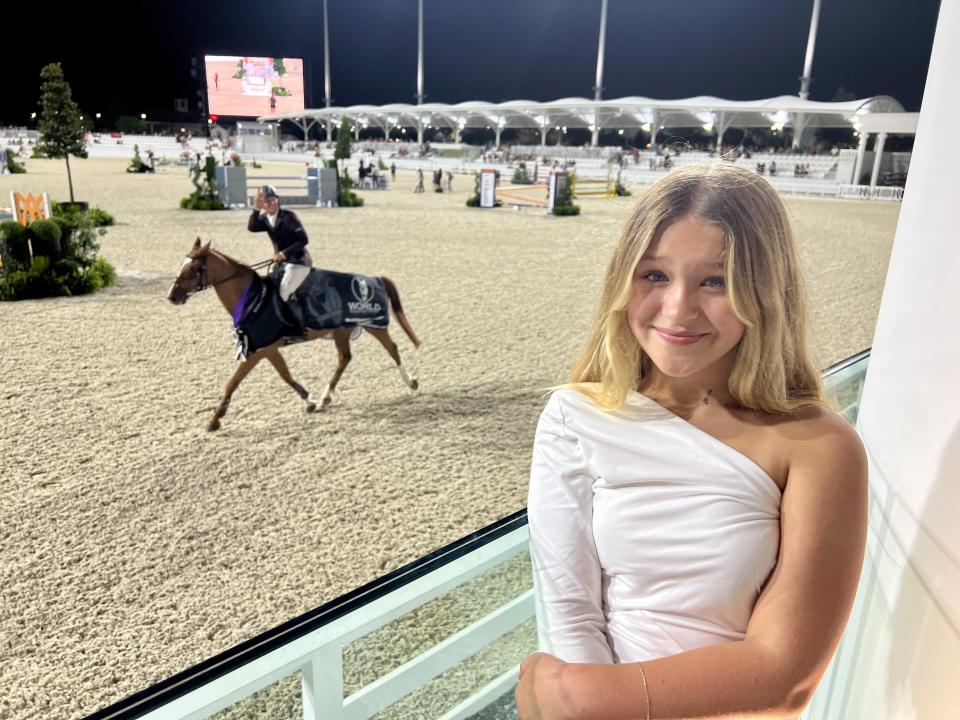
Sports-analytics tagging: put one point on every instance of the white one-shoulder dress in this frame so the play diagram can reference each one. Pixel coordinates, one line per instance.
(649, 537)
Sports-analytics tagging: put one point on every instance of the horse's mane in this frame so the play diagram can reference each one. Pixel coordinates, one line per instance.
(224, 256)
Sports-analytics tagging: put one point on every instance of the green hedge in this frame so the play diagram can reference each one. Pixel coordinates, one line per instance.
(566, 209)
(98, 216)
(521, 176)
(13, 243)
(13, 166)
(64, 258)
(206, 195)
(474, 201)
(64, 277)
(199, 202)
(348, 198)
(45, 236)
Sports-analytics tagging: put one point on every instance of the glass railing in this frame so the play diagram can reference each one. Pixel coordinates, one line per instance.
(442, 637)
(843, 384)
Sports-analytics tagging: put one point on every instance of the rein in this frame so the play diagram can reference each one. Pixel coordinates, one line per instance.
(202, 283)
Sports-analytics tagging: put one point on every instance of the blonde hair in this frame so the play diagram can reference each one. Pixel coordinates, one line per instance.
(773, 371)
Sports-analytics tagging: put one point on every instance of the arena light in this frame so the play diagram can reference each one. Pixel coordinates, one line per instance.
(620, 131)
(97, 116)
(143, 116)
(645, 127)
(33, 116)
(708, 127)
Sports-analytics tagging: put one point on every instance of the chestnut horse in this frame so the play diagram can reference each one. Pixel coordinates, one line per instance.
(204, 268)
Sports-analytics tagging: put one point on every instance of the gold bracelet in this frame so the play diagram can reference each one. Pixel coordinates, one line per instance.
(646, 690)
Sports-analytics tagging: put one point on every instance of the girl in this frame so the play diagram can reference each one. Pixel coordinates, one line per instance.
(697, 514)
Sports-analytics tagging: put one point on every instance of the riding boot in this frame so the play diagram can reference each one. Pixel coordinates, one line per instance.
(296, 314)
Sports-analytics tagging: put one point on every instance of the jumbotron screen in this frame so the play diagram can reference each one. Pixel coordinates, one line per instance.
(253, 86)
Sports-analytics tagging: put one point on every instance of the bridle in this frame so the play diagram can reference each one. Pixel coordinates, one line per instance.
(202, 279)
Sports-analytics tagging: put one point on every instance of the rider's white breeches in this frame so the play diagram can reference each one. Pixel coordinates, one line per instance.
(293, 276)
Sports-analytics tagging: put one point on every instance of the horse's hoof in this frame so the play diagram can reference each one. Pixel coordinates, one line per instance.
(326, 401)
(213, 425)
(311, 407)
(414, 384)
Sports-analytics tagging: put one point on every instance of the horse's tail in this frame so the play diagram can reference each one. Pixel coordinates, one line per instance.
(397, 308)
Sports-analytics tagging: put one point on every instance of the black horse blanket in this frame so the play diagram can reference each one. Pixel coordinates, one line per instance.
(329, 300)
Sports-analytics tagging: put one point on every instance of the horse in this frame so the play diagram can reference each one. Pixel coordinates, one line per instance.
(205, 267)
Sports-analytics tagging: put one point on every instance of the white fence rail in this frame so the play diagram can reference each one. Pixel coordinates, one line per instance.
(865, 192)
(318, 654)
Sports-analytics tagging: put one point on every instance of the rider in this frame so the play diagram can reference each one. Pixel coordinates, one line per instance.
(289, 245)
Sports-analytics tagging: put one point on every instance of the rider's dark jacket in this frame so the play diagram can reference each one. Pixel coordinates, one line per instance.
(287, 235)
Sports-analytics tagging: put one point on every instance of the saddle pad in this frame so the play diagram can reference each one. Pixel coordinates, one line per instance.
(258, 318)
(333, 299)
(329, 300)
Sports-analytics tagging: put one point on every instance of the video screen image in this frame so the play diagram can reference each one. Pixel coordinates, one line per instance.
(253, 86)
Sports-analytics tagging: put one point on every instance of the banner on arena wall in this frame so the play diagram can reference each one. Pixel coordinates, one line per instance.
(488, 188)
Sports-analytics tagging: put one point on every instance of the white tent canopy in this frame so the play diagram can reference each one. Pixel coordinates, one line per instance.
(711, 113)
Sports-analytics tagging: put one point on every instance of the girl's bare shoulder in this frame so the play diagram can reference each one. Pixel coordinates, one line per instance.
(817, 432)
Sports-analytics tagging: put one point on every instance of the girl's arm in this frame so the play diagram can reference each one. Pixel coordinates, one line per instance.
(565, 565)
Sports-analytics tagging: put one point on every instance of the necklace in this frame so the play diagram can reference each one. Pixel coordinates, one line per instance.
(708, 399)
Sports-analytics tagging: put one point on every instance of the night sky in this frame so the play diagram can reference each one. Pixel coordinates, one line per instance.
(491, 50)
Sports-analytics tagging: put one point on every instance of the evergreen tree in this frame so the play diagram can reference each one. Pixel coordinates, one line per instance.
(61, 129)
(342, 151)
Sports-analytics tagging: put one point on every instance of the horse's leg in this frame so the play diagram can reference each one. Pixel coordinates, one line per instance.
(239, 374)
(383, 336)
(280, 365)
(341, 337)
